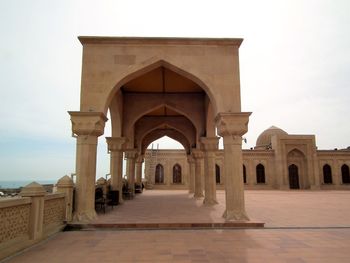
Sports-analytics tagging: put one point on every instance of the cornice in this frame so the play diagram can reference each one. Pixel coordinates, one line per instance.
(85, 40)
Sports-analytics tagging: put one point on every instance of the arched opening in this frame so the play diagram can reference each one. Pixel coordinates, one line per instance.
(163, 72)
(244, 174)
(297, 177)
(345, 175)
(293, 176)
(260, 174)
(159, 174)
(217, 174)
(327, 174)
(177, 174)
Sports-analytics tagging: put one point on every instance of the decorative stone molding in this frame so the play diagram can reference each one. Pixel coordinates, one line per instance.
(88, 123)
(140, 158)
(130, 153)
(190, 159)
(33, 190)
(232, 123)
(65, 185)
(210, 143)
(116, 143)
(65, 181)
(197, 154)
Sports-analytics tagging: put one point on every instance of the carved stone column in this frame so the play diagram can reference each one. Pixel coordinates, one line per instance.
(231, 126)
(198, 189)
(115, 148)
(191, 164)
(210, 145)
(139, 160)
(87, 126)
(130, 168)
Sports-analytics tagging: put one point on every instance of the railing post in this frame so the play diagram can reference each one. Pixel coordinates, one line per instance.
(37, 193)
(65, 185)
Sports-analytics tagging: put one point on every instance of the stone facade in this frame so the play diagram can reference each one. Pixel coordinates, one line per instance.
(279, 161)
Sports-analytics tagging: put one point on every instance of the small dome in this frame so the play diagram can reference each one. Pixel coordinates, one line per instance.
(264, 139)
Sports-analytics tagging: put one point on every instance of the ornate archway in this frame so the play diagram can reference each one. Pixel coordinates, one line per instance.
(189, 76)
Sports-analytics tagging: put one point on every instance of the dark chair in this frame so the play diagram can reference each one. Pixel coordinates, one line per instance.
(138, 188)
(100, 201)
(113, 198)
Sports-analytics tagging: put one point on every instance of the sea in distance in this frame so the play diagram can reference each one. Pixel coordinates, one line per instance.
(18, 184)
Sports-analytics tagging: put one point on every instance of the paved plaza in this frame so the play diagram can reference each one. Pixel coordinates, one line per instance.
(301, 226)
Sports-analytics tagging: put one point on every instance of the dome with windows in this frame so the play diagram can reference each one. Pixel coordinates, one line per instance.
(264, 139)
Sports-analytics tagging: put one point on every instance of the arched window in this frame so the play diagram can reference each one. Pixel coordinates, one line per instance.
(327, 174)
(244, 175)
(260, 174)
(217, 173)
(177, 174)
(345, 175)
(159, 176)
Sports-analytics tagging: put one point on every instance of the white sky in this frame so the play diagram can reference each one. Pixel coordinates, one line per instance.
(294, 61)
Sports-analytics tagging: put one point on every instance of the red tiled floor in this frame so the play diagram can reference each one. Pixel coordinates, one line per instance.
(276, 208)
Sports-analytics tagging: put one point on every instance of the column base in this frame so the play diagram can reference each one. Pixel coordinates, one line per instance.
(235, 215)
(198, 195)
(209, 202)
(84, 217)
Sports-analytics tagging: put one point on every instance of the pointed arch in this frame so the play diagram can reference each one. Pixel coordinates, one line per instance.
(260, 174)
(149, 65)
(157, 134)
(177, 174)
(327, 174)
(293, 173)
(159, 174)
(345, 174)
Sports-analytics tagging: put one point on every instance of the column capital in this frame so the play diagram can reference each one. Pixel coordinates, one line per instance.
(229, 123)
(190, 158)
(130, 153)
(197, 154)
(210, 143)
(87, 123)
(116, 143)
(140, 158)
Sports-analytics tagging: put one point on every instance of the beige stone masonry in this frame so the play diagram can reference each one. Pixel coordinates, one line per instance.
(65, 185)
(130, 156)
(231, 126)
(87, 126)
(210, 146)
(115, 148)
(198, 188)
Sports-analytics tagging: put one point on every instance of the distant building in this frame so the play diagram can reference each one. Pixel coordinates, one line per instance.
(278, 161)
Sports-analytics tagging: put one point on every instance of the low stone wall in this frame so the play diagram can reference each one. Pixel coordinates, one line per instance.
(54, 213)
(32, 217)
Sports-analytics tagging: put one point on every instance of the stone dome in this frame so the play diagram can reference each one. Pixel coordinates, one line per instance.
(264, 138)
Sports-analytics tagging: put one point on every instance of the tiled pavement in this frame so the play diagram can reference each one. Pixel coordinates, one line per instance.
(277, 208)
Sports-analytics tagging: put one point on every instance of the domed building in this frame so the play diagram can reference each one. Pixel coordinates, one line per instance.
(264, 140)
(278, 161)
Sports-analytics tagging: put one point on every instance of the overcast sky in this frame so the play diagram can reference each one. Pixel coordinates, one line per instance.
(294, 64)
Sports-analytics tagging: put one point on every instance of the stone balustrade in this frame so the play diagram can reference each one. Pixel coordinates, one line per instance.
(33, 216)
